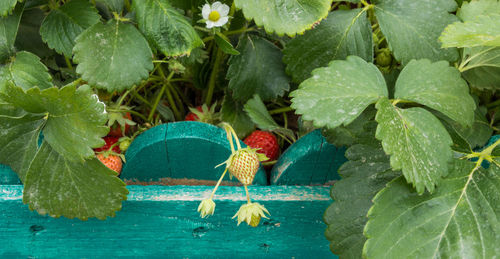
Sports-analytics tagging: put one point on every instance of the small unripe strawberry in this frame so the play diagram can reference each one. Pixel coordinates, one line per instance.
(244, 164)
(112, 162)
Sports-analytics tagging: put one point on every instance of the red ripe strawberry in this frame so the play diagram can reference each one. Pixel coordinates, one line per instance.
(267, 143)
(191, 116)
(115, 129)
(109, 142)
(244, 164)
(112, 162)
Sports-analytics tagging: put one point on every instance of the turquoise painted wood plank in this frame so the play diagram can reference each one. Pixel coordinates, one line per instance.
(7, 176)
(180, 150)
(161, 221)
(309, 161)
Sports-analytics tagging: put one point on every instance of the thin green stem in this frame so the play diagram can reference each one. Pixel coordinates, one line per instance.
(248, 195)
(157, 101)
(172, 103)
(218, 183)
(229, 135)
(177, 98)
(213, 76)
(68, 62)
(281, 110)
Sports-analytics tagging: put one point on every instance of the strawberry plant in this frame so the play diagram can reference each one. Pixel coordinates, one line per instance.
(409, 87)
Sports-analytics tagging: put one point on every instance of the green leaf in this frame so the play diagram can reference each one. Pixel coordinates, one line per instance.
(257, 111)
(63, 25)
(25, 71)
(165, 27)
(285, 16)
(360, 131)
(412, 28)
(339, 93)
(418, 143)
(481, 31)
(232, 112)
(482, 71)
(465, 139)
(342, 34)
(58, 186)
(258, 70)
(75, 119)
(113, 56)
(471, 10)
(6, 6)
(225, 45)
(113, 5)
(364, 175)
(19, 134)
(8, 32)
(28, 35)
(460, 220)
(438, 86)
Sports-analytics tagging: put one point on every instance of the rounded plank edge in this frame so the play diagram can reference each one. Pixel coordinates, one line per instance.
(300, 164)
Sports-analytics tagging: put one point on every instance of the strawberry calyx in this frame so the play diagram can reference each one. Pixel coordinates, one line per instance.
(119, 120)
(203, 114)
(251, 213)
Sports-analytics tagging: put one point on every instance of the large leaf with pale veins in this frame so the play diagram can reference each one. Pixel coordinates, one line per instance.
(481, 31)
(460, 220)
(25, 71)
(8, 32)
(364, 175)
(113, 56)
(258, 70)
(19, 134)
(58, 187)
(6, 6)
(482, 71)
(412, 28)
(470, 10)
(61, 27)
(339, 93)
(466, 139)
(285, 16)
(418, 143)
(438, 86)
(232, 112)
(342, 34)
(75, 119)
(165, 27)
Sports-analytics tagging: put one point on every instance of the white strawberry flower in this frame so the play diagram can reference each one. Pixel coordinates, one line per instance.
(215, 15)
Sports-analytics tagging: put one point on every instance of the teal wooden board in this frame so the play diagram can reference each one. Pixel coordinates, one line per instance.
(309, 161)
(161, 221)
(180, 150)
(7, 176)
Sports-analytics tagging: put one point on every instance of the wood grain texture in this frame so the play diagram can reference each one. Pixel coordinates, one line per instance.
(161, 221)
(309, 161)
(180, 150)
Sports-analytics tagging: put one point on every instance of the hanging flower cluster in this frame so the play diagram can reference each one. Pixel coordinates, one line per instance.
(243, 164)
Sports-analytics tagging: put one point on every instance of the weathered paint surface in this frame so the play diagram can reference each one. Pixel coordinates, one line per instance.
(309, 161)
(180, 150)
(161, 221)
(7, 176)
